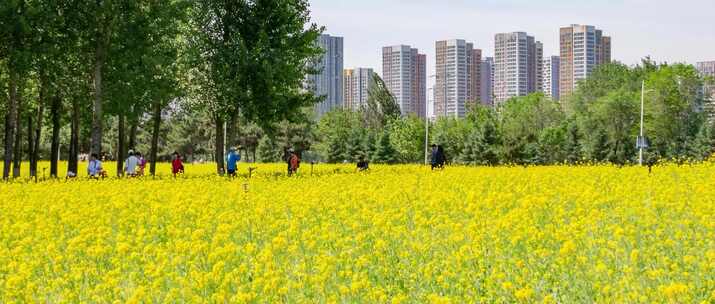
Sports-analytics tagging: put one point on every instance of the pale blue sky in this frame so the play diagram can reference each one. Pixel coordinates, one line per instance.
(673, 31)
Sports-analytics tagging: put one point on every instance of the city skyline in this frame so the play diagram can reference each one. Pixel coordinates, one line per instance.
(421, 23)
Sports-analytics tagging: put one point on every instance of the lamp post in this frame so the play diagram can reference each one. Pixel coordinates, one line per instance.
(641, 141)
(427, 121)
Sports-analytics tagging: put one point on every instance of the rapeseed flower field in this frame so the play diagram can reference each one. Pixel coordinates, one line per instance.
(395, 234)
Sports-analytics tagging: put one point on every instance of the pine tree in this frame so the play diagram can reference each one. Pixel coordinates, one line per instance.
(384, 152)
(267, 152)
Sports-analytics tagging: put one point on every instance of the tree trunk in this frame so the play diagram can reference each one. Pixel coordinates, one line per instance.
(72, 161)
(155, 138)
(10, 118)
(120, 145)
(231, 128)
(55, 109)
(219, 146)
(30, 145)
(133, 133)
(17, 159)
(96, 144)
(35, 152)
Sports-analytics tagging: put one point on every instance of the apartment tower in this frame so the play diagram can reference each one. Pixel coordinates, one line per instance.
(356, 84)
(583, 48)
(404, 71)
(486, 71)
(517, 65)
(329, 81)
(456, 81)
(551, 77)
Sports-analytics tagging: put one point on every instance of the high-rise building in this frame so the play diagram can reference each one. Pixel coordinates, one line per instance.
(404, 71)
(707, 69)
(329, 81)
(475, 77)
(539, 56)
(486, 71)
(583, 48)
(516, 65)
(356, 84)
(454, 81)
(551, 77)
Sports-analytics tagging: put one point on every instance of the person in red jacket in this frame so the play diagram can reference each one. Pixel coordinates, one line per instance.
(176, 165)
(293, 162)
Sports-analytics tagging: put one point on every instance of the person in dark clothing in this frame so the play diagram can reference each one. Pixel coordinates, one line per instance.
(362, 164)
(286, 157)
(441, 157)
(434, 156)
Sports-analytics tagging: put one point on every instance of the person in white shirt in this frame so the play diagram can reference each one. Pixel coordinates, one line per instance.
(94, 169)
(130, 167)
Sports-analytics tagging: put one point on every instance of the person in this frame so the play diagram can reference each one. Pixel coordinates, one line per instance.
(176, 165)
(142, 163)
(434, 156)
(231, 162)
(293, 162)
(441, 157)
(94, 169)
(362, 164)
(131, 164)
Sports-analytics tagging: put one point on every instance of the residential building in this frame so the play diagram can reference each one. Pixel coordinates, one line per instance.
(539, 69)
(329, 81)
(475, 77)
(356, 84)
(707, 70)
(551, 77)
(486, 94)
(454, 77)
(516, 65)
(583, 48)
(404, 71)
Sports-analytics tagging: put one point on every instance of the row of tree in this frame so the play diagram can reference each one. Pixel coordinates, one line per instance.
(107, 76)
(72, 67)
(598, 123)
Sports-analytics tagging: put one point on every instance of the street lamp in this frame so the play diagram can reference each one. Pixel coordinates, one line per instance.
(427, 121)
(641, 142)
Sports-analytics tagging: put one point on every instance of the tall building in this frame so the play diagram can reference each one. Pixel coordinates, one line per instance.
(539, 56)
(329, 81)
(455, 77)
(356, 84)
(404, 71)
(486, 71)
(583, 48)
(475, 77)
(551, 77)
(707, 69)
(516, 65)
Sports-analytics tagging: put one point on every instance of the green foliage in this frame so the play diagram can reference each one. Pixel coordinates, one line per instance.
(384, 152)
(381, 105)
(407, 136)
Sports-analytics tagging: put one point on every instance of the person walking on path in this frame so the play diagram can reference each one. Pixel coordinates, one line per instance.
(177, 167)
(94, 169)
(131, 164)
(293, 162)
(232, 159)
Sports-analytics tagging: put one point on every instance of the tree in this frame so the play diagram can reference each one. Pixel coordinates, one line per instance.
(381, 104)
(407, 136)
(522, 121)
(384, 152)
(253, 57)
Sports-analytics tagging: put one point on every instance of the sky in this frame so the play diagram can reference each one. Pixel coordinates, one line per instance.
(666, 30)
